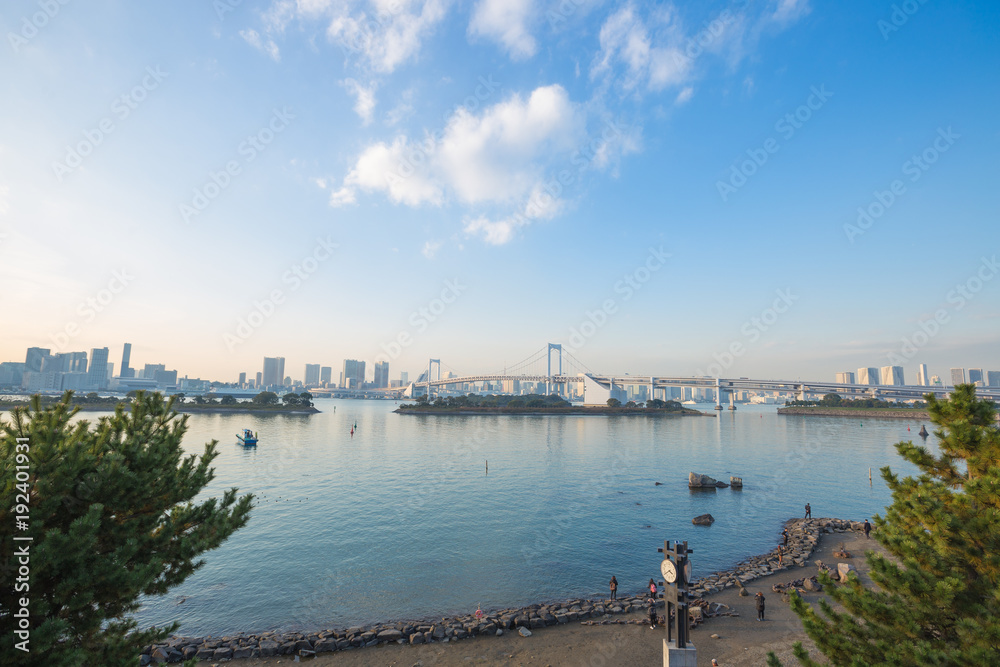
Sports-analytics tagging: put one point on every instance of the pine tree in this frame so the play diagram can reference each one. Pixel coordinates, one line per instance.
(112, 517)
(937, 598)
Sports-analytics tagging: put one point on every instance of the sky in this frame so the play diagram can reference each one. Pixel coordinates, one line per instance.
(773, 189)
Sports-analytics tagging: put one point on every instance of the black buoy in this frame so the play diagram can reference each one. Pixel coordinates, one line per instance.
(923, 431)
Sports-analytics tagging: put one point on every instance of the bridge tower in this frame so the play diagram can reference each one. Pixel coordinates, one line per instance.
(548, 359)
(430, 374)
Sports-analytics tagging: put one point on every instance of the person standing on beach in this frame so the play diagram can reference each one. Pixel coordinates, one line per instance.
(809, 511)
(652, 589)
(759, 600)
(614, 588)
(868, 528)
(784, 535)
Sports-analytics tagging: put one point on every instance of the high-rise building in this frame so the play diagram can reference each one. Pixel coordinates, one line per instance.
(847, 377)
(126, 370)
(274, 370)
(326, 375)
(259, 380)
(353, 375)
(243, 379)
(935, 380)
(97, 375)
(922, 375)
(381, 374)
(165, 378)
(993, 378)
(868, 376)
(976, 377)
(312, 375)
(957, 376)
(33, 360)
(404, 379)
(892, 375)
(149, 371)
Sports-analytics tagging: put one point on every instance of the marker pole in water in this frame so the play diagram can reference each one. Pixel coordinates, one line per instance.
(869, 475)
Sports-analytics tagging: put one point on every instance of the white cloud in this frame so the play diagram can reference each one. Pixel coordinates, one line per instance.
(684, 96)
(364, 105)
(658, 61)
(504, 21)
(400, 170)
(789, 11)
(342, 197)
(430, 249)
(501, 159)
(265, 45)
(389, 37)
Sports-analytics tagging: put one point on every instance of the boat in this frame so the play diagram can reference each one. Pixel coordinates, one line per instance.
(248, 439)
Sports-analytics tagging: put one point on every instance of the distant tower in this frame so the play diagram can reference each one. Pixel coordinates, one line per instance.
(97, 376)
(892, 375)
(126, 370)
(847, 377)
(381, 374)
(957, 376)
(243, 379)
(922, 379)
(868, 376)
(976, 376)
(312, 375)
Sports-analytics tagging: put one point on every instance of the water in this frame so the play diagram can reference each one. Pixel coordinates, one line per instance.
(402, 521)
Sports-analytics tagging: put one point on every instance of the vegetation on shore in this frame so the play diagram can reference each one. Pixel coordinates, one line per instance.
(937, 602)
(837, 401)
(110, 509)
(265, 401)
(535, 403)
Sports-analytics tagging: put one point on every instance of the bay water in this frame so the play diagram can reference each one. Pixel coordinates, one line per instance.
(402, 520)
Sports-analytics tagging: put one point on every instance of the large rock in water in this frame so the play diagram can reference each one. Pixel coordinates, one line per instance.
(703, 520)
(696, 481)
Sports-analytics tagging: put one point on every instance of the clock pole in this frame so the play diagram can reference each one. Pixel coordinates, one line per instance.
(678, 651)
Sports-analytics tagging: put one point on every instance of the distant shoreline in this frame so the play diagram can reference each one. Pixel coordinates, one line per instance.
(575, 410)
(185, 408)
(886, 413)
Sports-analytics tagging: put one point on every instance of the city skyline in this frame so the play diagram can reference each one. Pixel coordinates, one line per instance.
(778, 189)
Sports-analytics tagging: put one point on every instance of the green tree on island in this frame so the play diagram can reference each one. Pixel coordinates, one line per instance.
(938, 601)
(266, 398)
(112, 515)
(614, 403)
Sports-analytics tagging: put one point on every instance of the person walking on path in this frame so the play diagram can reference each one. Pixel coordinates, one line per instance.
(868, 528)
(809, 511)
(781, 551)
(759, 602)
(652, 614)
(652, 589)
(614, 588)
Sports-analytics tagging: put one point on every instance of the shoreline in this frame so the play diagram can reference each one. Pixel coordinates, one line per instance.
(184, 409)
(505, 624)
(885, 413)
(590, 412)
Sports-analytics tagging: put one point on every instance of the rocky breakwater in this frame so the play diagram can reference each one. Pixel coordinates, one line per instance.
(306, 644)
(803, 535)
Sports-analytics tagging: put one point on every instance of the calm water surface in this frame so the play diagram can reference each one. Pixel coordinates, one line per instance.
(401, 520)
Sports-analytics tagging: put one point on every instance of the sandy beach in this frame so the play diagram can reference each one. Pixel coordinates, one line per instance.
(741, 640)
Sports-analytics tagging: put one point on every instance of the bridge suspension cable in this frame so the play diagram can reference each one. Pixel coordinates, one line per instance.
(576, 363)
(524, 363)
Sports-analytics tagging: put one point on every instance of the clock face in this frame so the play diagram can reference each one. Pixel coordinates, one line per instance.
(668, 570)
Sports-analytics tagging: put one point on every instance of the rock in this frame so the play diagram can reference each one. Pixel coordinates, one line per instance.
(736, 482)
(267, 648)
(245, 652)
(224, 653)
(159, 655)
(721, 485)
(811, 584)
(696, 481)
(714, 636)
(144, 660)
(703, 520)
(658, 484)
(302, 644)
(523, 631)
(499, 632)
(843, 569)
(390, 635)
(323, 645)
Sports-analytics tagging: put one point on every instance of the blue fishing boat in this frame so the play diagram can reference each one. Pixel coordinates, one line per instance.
(248, 439)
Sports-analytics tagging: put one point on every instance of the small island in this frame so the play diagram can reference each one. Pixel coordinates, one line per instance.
(833, 405)
(264, 402)
(539, 404)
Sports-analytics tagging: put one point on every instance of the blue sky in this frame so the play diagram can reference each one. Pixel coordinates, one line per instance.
(219, 182)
